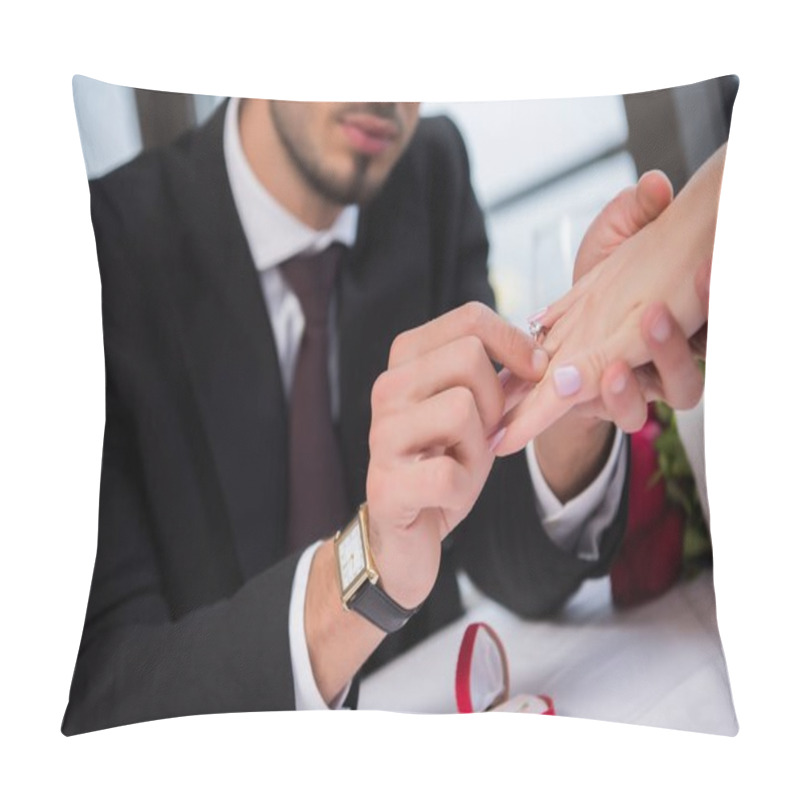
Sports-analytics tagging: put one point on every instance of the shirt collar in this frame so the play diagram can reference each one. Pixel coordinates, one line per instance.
(272, 233)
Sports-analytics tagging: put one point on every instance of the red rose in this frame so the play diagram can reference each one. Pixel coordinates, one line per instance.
(646, 499)
(650, 559)
(650, 563)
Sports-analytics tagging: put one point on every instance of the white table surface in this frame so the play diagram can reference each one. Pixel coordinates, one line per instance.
(658, 664)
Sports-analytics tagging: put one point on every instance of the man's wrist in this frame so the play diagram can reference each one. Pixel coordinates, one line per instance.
(572, 452)
(338, 641)
(306, 691)
(362, 583)
(578, 525)
(404, 576)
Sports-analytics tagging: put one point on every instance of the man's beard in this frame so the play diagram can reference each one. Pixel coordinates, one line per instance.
(340, 191)
(343, 191)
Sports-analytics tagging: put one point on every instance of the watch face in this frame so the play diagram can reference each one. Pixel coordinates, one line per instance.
(351, 556)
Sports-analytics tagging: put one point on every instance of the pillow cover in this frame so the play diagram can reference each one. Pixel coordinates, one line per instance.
(197, 600)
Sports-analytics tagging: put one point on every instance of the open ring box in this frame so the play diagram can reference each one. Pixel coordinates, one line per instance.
(482, 682)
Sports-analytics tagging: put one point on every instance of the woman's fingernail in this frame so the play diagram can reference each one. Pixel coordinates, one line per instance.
(661, 329)
(540, 361)
(618, 384)
(567, 381)
(504, 376)
(495, 440)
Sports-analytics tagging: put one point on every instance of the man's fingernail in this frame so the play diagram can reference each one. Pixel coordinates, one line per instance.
(567, 381)
(495, 440)
(537, 316)
(661, 329)
(540, 361)
(618, 384)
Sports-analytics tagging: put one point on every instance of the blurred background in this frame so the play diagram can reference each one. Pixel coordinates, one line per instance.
(542, 169)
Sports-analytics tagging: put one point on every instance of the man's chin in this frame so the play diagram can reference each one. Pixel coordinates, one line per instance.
(359, 190)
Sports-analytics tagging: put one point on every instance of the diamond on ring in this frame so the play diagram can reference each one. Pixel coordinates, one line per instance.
(537, 330)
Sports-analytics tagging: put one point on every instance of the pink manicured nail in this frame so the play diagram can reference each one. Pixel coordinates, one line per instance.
(618, 384)
(661, 329)
(496, 439)
(567, 381)
(540, 361)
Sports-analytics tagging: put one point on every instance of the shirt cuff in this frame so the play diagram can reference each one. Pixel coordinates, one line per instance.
(577, 525)
(306, 694)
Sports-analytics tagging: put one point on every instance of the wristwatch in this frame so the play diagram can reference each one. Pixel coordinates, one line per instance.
(358, 578)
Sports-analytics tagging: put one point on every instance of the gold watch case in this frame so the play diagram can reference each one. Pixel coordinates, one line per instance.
(354, 565)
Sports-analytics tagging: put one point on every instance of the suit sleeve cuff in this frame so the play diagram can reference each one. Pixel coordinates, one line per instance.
(577, 525)
(307, 695)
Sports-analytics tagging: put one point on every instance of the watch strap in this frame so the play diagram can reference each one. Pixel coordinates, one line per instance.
(375, 605)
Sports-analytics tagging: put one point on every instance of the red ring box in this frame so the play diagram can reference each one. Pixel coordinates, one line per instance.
(482, 682)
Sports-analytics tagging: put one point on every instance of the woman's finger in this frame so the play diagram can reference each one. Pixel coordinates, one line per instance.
(622, 398)
(679, 374)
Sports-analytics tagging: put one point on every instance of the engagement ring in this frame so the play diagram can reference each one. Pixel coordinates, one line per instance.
(537, 330)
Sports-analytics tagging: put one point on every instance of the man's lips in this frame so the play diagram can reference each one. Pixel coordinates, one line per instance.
(368, 133)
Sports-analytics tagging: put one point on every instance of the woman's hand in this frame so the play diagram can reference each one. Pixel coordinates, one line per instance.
(628, 330)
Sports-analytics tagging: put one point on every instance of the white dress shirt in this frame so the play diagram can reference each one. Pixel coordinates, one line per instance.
(274, 235)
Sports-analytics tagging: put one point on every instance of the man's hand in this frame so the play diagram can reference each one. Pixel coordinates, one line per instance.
(630, 211)
(435, 426)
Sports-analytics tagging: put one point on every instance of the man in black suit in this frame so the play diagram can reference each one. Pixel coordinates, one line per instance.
(198, 602)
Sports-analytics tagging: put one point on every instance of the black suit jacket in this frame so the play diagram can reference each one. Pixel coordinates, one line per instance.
(189, 599)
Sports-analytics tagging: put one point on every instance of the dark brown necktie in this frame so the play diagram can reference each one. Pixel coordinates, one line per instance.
(317, 497)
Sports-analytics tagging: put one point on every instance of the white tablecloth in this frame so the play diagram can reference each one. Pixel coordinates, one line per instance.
(660, 664)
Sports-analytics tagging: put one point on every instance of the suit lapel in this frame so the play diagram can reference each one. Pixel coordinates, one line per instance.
(383, 290)
(230, 351)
